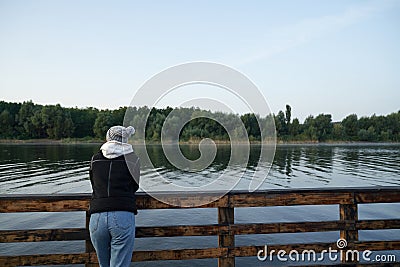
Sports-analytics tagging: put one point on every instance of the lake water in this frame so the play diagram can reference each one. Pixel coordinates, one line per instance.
(52, 169)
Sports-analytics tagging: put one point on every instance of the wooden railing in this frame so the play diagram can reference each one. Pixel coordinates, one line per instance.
(348, 200)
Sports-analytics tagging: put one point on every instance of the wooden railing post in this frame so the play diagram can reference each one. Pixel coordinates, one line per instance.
(226, 216)
(88, 244)
(349, 214)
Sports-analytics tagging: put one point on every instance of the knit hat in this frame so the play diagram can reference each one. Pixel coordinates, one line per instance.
(119, 133)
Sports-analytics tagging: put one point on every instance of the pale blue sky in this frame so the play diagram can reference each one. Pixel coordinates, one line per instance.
(337, 57)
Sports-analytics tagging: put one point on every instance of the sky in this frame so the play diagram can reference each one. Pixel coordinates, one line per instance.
(337, 57)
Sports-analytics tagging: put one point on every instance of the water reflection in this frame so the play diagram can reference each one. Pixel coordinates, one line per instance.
(44, 168)
(64, 168)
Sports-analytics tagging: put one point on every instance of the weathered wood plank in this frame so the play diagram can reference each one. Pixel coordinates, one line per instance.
(69, 203)
(377, 224)
(181, 230)
(40, 205)
(44, 259)
(251, 251)
(181, 254)
(377, 197)
(179, 201)
(377, 245)
(43, 235)
(46, 197)
(226, 217)
(295, 227)
(291, 199)
(383, 190)
(184, 254)
(273, 197)
(349, 212)
(90, 258)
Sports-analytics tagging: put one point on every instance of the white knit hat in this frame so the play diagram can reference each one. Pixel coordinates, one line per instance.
(120, 133)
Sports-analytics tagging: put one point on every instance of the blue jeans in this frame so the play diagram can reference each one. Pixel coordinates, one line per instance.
(113, 235)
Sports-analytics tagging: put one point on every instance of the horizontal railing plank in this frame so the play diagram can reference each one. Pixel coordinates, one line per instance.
(43, 235)
(273, 197)
(185, 254)
(181, 200)
(377, 197)
(292, 227)
(40, 205)
(290, 199)
(201, 230)
(45, 259)
(249, 251)
(179, 254)
(377, 245)
(180, 230)
(378, 224)
(241, 229)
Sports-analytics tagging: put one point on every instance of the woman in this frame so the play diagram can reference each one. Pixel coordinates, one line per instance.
(114, 175)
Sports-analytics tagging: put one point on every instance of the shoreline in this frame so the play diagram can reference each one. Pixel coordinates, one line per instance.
(48, 142)
(217, 142)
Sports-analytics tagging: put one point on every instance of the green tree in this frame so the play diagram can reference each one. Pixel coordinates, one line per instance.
(280, 124)
(251, 124)
(350, 125)
(9, 123)
(28, 120)
(338, 132)
(57, 121)
(323, 126)
(103, 122)
(6, 124)
(83, 120)
(393, 124)
(118, 116)
(25, 113)
(367, 135)
(38, 126)
(294, 128)
(309, 128)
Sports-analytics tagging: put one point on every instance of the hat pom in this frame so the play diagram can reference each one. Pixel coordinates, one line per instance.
(130, 130)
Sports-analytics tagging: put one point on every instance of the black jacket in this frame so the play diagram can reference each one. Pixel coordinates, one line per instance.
(114, 183)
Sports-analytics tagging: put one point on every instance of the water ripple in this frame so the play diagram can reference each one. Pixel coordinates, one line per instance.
(38, 169)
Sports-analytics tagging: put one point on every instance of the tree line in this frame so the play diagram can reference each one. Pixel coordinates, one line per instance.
(32, 121)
